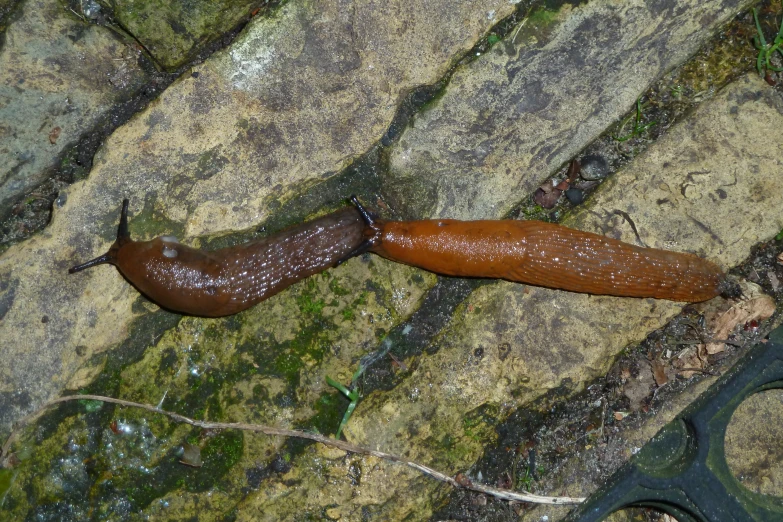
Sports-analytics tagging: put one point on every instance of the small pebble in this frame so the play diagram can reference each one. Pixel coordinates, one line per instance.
(575, 196)
(594, 167)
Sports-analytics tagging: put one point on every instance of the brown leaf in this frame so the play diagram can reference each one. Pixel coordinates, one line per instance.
(547, 195)
(756, 306)
(54, 134)
(191, 455)
(573, 171)
(463, 480)
(659, 372)
(689, 362)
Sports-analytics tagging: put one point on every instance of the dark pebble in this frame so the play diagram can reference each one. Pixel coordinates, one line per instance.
(575, 196)
(594, 167)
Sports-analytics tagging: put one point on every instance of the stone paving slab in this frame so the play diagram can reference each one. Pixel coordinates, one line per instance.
(509, 344)
(59, 76)
(296, 98)
(511, 119)
(173, 32)
(496, 353)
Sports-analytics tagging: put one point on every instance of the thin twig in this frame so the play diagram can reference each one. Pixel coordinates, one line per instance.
(699, 370)
(710, 341)
(269, 430)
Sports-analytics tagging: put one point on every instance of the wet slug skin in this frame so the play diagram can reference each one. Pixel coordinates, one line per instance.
(545, 254)
(227, 281)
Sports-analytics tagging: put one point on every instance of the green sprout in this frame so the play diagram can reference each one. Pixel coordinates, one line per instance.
(352, 395)
(766, 50)
(526, 482)
(638, 126)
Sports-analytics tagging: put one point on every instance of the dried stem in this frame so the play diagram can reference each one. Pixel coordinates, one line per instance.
(269, 430)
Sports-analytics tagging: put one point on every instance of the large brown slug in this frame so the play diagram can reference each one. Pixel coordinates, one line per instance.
(227, 281)
(545, 254)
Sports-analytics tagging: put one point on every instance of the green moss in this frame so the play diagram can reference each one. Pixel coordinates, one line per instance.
(336, 289)
(175, 31)
(6, 476)
(478, 424)
(210, 163)
(150, 223)
(542, 17)
(219, 455)
(329, 410)
(455, 450)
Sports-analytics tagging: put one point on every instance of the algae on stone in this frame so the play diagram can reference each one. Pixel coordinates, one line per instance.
(173, 32)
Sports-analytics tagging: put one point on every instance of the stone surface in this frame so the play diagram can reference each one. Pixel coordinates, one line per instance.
(296, 98)
(175, 31)
(754, 443)
(508, 345)
(510, 119)
(220, 151)
(59, 76)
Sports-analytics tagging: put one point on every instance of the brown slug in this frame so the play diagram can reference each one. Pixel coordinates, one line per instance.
(545, 254)
(227, 281)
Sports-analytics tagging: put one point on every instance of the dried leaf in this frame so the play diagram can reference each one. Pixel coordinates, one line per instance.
(659, 372)
(54, 134)
(689, 362)
(191, 455)
(547, 195)
(756, 306)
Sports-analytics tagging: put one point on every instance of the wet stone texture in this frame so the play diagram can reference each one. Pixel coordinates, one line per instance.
(174, 31)
(510, 120)
(690, 186)
(295, 99)
(508, 344)
(59, 76)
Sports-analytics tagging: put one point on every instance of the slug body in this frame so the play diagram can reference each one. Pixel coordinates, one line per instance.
(227, 281)
(545, 254)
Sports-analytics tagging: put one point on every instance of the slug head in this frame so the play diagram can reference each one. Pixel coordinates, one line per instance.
(110, 257)
(174, 276)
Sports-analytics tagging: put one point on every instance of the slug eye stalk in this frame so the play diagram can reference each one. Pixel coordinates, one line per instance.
(372, 232)
(110, 257)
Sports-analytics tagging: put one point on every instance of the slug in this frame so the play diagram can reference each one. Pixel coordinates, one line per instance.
(227, 281)
(544, 254)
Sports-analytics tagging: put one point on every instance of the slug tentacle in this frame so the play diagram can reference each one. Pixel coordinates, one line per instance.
(372, 232)
(110, 257)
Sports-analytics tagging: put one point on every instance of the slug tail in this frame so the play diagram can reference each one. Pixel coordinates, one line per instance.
(730, 289)
(110, 257)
